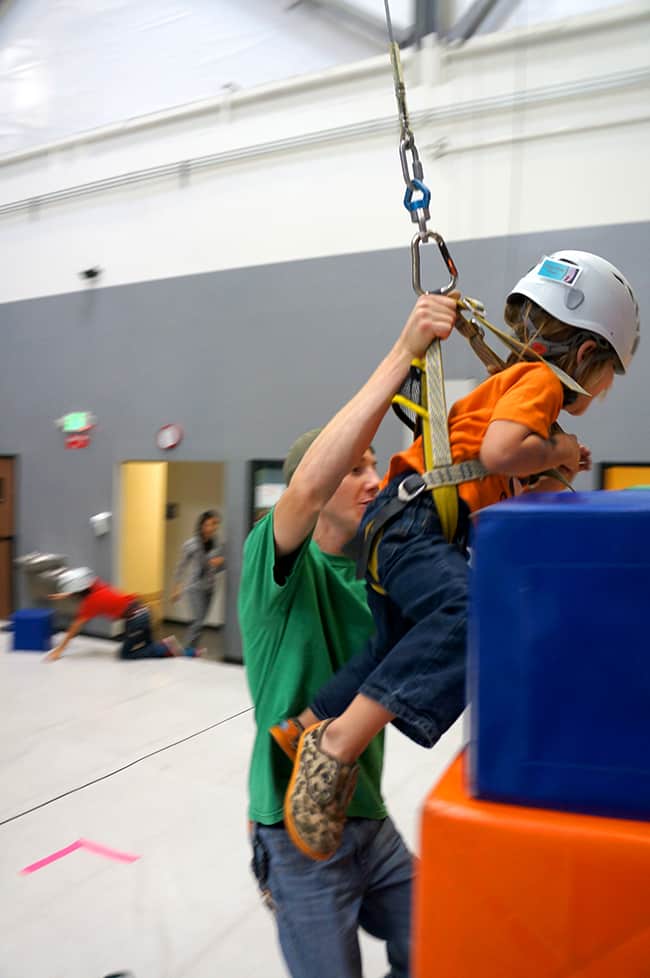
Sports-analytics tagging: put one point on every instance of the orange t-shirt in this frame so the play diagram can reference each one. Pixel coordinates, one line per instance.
(527, 393)
(105, 601)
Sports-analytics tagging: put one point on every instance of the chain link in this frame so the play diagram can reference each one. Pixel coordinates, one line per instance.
(417, 196)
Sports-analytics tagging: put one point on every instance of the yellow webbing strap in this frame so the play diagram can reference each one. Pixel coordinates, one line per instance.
(432, 412)
(410, 487)
(435, 438)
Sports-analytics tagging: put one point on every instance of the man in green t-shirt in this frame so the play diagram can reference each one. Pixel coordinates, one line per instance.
(302, 615)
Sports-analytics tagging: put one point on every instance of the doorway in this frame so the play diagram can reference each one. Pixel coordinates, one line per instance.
(160, 503)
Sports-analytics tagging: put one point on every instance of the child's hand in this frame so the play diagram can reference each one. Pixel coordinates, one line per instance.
(584, 464)
(53, 655)
(585, 458)
(432, 317)
(567, 453)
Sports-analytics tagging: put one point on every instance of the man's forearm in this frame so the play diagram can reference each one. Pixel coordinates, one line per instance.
(341, 444)
(349, 433)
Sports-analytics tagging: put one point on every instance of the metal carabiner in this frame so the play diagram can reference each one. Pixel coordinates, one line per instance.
(422, 238)
(407, 144)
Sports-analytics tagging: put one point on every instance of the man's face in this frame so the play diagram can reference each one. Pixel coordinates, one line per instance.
(358, 488)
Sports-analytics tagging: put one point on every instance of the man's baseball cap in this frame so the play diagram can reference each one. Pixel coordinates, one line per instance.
(297, 451)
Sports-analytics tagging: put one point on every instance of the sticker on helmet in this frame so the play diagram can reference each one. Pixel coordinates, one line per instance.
(558, 271)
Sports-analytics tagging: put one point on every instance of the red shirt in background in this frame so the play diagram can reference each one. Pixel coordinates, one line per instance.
(105, 601)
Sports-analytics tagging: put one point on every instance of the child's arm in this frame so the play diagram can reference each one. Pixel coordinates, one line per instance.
(57, 652)
(512, 449)
(547, 483)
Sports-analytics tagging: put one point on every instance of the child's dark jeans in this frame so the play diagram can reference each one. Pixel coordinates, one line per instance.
(138, 639)
(414, 665)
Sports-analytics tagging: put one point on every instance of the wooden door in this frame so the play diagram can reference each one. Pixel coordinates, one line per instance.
(6, 535)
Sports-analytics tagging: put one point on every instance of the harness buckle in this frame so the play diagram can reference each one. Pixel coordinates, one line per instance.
(410, 487)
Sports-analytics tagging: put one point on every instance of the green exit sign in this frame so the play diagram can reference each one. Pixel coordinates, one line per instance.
(77, 421)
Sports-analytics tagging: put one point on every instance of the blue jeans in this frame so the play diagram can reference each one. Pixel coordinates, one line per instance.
(319, 906)
(138, 640)
(414, 665)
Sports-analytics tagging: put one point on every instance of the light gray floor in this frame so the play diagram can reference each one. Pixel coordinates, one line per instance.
(187, 908)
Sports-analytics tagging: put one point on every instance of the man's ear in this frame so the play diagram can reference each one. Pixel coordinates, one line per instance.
(585, 349)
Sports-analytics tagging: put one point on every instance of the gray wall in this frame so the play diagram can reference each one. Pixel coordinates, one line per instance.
(245, 360)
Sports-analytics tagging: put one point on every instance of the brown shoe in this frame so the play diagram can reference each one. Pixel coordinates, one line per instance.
(318, 795)
(286, 734)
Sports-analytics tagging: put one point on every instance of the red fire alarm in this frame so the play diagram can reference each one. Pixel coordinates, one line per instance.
(77, 441)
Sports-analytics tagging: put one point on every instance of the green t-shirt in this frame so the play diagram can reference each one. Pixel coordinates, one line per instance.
(296, 635)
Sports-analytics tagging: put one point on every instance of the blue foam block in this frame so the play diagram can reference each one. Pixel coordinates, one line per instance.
(559, 656)
(32, 630)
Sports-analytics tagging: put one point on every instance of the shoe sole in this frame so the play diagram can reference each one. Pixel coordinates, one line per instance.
(288, 819)
(283, 745)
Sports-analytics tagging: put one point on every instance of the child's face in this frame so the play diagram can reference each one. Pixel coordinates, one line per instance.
(595, 387)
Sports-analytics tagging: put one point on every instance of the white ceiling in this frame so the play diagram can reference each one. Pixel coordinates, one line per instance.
(67, 66)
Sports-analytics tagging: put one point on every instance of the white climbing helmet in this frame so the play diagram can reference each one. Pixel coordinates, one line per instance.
(75, 580)
(587, 292)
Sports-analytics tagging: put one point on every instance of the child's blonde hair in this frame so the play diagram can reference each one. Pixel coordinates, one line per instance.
(556, 341)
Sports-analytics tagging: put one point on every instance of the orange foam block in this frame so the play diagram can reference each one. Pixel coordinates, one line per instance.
(510, 892)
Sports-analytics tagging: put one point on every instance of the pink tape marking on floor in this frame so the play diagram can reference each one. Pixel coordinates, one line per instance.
(96, 847)
(53, 858)
(100, 850)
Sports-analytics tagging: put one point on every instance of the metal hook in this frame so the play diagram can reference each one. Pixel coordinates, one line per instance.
(419, 239)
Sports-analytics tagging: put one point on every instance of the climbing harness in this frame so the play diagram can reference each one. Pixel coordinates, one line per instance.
(423, 393)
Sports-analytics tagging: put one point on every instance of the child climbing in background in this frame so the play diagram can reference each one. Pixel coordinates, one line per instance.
(97, 599)
(576, 315)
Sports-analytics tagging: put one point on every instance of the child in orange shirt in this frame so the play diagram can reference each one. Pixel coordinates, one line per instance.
(577, 312)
